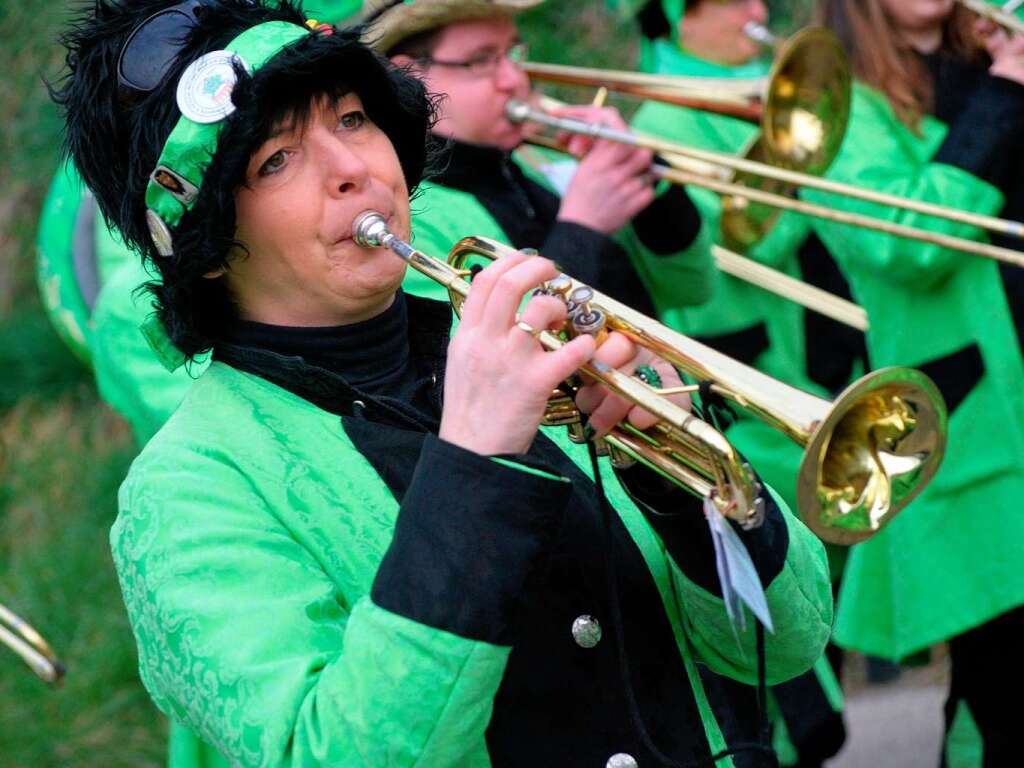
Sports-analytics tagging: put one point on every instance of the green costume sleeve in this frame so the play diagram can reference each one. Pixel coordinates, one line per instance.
(800, 601)
(128, 373)
(269, 663)
(882, 154)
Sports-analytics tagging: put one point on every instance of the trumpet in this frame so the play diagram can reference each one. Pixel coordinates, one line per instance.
(1004, 16)
(867, 454)
(25, 641)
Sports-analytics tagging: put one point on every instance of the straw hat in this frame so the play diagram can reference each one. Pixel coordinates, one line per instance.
(406, 18)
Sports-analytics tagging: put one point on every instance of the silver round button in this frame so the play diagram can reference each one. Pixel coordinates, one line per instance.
(621, 760)
(586, 631)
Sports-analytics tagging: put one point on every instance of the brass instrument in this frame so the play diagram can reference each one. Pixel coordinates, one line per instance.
(803, 108)
(806, 295)
(759, 33)
(867, 454)
(21, 638)
(1003, 16)
(684, 173)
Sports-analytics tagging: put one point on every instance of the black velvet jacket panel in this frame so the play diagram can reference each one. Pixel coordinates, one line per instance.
(985, 115)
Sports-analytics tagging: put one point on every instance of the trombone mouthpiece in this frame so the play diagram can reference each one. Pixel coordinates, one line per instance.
(370, 229)
(760, 34)
(517, 111)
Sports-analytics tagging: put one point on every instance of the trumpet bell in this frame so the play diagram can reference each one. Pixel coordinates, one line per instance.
(881, 443)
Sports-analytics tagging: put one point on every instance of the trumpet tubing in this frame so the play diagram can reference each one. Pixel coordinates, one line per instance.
(867, 454)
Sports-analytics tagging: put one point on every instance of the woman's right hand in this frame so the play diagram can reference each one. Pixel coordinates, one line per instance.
(1006, 50)
(499, 377)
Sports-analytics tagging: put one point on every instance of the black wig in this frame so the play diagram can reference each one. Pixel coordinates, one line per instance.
(115, 144)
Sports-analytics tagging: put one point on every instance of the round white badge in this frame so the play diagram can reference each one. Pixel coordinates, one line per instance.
(204, 90)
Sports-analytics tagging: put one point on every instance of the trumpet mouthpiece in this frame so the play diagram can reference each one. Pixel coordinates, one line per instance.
(370, 229)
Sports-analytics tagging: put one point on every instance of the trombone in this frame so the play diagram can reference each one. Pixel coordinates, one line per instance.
(682, 173)
(867, 454)
(802, 107)
(25, 641)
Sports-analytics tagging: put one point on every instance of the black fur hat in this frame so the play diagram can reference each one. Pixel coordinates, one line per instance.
(115, 135)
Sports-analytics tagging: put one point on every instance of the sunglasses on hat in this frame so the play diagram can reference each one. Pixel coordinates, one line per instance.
(154, 46)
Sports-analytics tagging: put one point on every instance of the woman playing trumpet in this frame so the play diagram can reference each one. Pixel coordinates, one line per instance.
(350, 544)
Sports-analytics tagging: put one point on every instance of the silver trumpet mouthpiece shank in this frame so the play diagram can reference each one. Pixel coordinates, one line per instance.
(370, 230)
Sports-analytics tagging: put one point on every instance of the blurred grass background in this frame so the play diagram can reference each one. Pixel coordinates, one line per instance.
(63, 453)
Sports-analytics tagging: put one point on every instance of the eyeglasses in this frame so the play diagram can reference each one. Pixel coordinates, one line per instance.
(154, 46)
(485, 64)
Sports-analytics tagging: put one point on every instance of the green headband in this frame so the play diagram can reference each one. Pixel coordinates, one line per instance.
(204, 97)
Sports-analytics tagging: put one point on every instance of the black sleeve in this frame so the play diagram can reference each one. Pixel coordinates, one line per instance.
(599, 261)
(986, 131)
(670, 224)
(678, 518)
(469, 533)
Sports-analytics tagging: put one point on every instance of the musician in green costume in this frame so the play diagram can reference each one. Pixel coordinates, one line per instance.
(601, 220)
(327, 558)
(940, 117)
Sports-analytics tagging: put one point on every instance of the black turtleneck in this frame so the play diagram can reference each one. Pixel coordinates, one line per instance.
(985, 115)
(371, 358)
(528, 214)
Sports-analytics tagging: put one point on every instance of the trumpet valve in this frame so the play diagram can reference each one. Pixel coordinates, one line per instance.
(593, 323)
(559, 286)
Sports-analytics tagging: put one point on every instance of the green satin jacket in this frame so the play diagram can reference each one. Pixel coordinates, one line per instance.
(952, 559)
(249, 533)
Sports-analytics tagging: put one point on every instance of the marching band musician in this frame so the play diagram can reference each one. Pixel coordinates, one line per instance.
(90, 284)
(938, 120)
(349, 546)
(609, 228)
(746, 322)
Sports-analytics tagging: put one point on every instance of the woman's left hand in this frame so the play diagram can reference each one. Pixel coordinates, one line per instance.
(607, 409)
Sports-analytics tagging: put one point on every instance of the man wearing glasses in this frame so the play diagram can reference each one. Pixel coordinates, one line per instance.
(609, 228)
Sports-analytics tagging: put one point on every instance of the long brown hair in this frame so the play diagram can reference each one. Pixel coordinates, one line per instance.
(881, 59)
